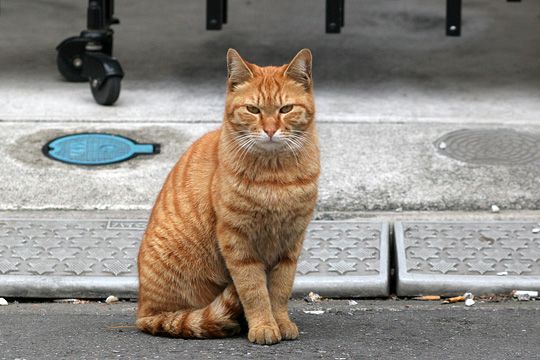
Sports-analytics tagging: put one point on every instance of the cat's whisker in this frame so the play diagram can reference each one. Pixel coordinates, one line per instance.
(247, 149)
(306, 140)
(297, 143)
(242, 151)
(233, 147)
(293, 152)
(243, 141)
(239, 143)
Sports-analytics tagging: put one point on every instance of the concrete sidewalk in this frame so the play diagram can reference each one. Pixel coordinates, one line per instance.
(365, 167)
(370, 329)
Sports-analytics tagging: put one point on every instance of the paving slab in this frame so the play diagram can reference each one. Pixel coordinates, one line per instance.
(447, 258)
(93, 258)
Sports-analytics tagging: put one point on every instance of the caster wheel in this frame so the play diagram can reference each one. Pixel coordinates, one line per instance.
(69, 59)
(68, 70)
(106, 92)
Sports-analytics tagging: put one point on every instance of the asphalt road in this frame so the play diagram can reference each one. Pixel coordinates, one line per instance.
(385, 329)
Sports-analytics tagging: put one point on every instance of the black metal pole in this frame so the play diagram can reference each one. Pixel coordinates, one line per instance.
(453, 17)
(224, 9)
(333, 18)
(214, 14)
(95, 18)
(342, 12)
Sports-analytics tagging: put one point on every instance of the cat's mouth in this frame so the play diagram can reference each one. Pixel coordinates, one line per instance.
(262, 143)
(270, 144)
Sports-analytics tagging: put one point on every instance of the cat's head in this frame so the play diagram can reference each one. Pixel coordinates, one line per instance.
(270, 108)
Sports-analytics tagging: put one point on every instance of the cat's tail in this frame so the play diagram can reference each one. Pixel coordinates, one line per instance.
(218, 319)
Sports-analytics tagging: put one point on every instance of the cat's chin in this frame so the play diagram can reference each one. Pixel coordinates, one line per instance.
(270, 146)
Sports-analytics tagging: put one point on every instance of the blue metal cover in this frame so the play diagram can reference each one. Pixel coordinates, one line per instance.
(95, 149)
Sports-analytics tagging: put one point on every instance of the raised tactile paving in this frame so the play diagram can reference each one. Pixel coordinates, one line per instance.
(95, 258)
(443, 258)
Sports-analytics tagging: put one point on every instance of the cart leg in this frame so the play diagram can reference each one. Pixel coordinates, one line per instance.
(215, 14)
(453, 17)
(335, 15)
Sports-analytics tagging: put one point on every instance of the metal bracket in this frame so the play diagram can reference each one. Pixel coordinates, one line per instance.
(335, 16)
(453, 17)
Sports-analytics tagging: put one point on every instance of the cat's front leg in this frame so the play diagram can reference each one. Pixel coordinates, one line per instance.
(250, 279)
(281, 280)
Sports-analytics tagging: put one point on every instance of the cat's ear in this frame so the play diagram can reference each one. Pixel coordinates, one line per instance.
(299, 68)
(237, 69)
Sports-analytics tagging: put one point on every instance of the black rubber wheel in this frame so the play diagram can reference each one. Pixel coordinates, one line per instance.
(68, 70)
(108, 91)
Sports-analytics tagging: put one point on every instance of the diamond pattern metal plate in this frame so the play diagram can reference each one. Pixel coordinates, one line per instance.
(451, 258)
(96, 258)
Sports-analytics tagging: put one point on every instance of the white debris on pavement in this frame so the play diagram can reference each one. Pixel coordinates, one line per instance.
(352, 302)
(495, 209)
(502, 273)
(442, 145)
(536, 230)
(3, 302)
(111, 299)
(525, 295)
(313, 297)
(67, 301)
(469, 299)
(314, 312)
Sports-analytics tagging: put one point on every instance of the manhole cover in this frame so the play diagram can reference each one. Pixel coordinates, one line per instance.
(95, 149)
(490, 147)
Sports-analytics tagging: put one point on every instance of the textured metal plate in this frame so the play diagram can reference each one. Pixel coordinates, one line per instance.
(451, 258)
(95, 258)
(344, 259)
(490, 146)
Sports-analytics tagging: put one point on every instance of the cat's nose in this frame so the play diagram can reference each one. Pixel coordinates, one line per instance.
(270, 131)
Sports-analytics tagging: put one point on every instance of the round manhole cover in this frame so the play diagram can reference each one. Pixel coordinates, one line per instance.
(490, 147)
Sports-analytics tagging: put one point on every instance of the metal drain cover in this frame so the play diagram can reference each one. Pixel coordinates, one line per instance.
(95, 149)
(95, 258)
(449, 258)
(490, 146)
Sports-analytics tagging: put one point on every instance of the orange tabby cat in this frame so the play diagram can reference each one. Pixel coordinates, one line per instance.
(227, 228)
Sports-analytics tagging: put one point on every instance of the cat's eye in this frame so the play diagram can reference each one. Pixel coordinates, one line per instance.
(285, 109)
(253, 109)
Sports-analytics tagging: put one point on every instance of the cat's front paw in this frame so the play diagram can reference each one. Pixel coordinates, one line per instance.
(265, 334)
(288, 329)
